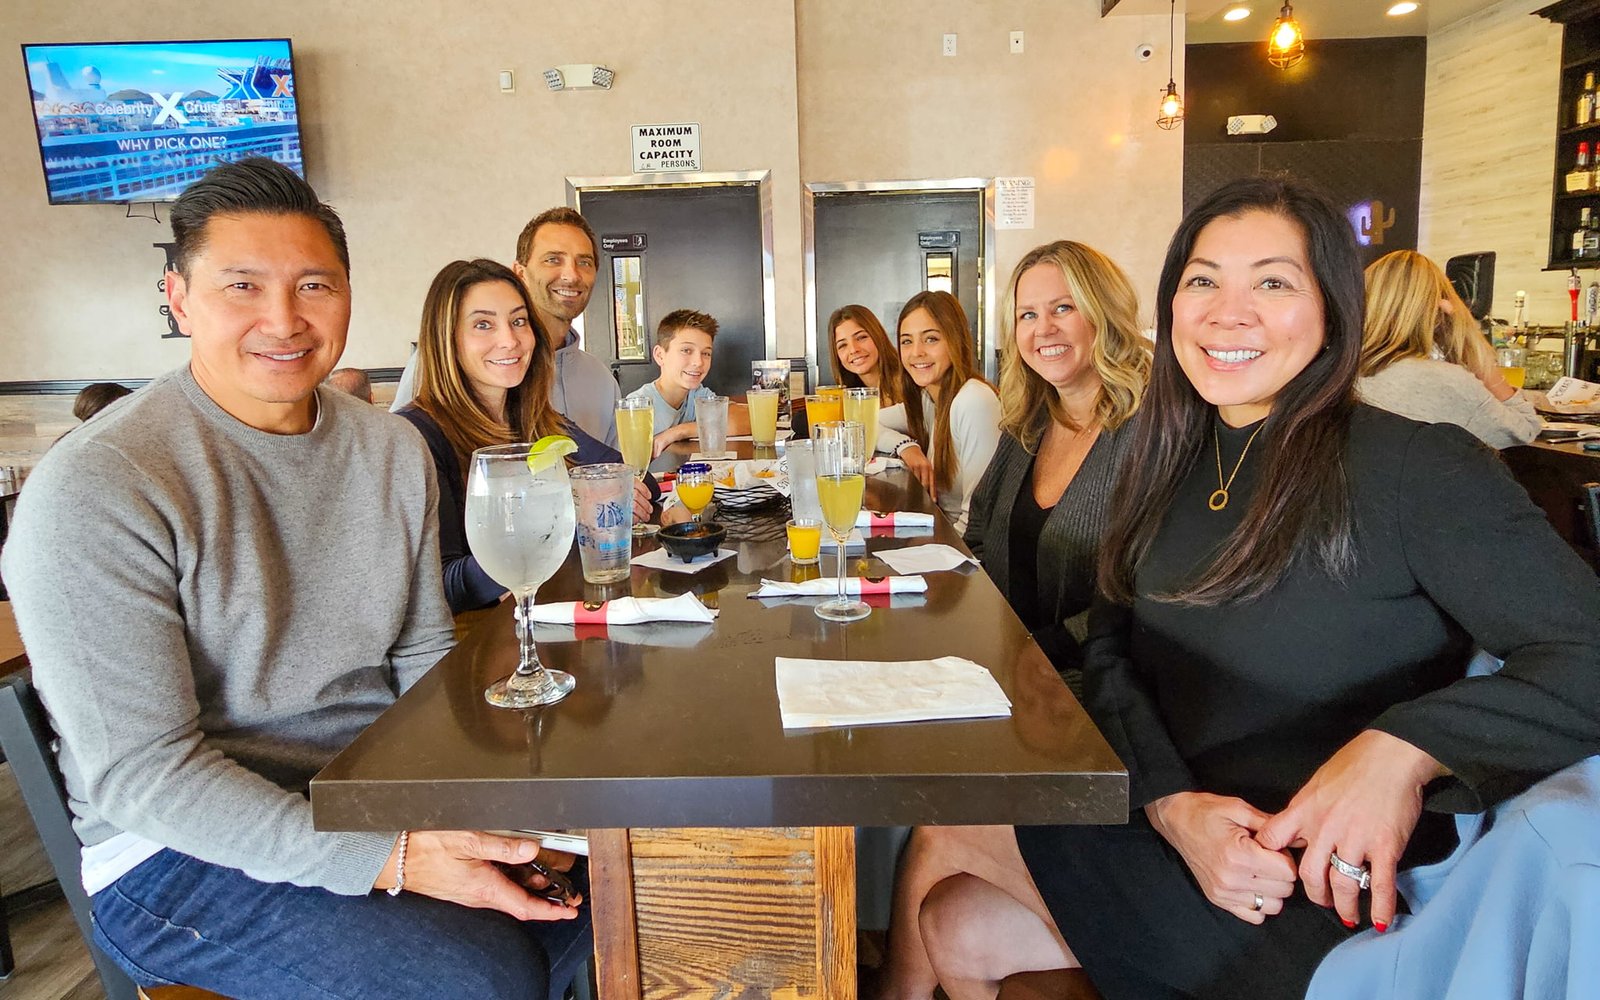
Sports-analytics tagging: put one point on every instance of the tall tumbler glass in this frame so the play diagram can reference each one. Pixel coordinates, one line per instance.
(841, 483)
(711, 416)
(763, 405)
(603, 495)
(520, 524)
(861, 405)
(802, 461)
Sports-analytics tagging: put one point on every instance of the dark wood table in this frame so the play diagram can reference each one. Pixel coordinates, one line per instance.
(722, 849)
(1556, 477)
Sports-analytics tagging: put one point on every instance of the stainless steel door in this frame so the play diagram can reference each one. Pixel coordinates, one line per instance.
(702, 250)
(878, 248)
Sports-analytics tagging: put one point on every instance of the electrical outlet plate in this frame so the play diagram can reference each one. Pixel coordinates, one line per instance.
(950, 44)
(1016, 43)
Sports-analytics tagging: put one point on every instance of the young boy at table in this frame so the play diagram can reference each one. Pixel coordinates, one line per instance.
(684, 340)
(181, 572)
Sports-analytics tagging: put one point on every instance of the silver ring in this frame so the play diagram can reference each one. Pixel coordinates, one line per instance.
(1361, 875)
(1257, 903)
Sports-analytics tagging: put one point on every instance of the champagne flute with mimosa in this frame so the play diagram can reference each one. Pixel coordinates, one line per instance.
(694, 488)
(636, 436)
(861, 405)
(841, 482)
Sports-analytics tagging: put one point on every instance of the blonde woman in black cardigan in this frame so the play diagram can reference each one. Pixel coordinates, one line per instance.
(1073, 367)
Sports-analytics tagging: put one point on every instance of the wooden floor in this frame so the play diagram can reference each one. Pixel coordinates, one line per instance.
(52, 962)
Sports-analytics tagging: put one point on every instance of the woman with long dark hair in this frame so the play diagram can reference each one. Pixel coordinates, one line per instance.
(948, 423)
(862, 354)
(483, 378)
(1294, 586)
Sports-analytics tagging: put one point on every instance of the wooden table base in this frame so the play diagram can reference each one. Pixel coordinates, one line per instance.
(721, 914)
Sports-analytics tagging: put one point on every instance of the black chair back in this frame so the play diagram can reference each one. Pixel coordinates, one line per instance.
(26, 738)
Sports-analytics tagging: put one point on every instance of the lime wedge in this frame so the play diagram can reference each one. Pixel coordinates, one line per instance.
(547, 451)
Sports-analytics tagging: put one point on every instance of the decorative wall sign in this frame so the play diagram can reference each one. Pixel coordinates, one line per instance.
(624, 242)
(1013, 203)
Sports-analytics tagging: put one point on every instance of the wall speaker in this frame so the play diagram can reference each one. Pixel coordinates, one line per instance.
(1472, 274)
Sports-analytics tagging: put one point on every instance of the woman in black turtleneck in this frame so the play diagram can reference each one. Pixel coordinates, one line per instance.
(1295, 583)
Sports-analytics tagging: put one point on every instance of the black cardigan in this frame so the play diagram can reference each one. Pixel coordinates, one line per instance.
(1069, 542)
(1249, 699)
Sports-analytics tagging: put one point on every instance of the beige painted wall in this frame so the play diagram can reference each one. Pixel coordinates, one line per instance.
(1076, 111)
(1488, 136)
(407, 134)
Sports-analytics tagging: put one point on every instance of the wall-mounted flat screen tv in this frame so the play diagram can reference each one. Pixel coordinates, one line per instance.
(126, 122)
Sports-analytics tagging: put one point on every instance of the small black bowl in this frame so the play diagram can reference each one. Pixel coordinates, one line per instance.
(688, 540)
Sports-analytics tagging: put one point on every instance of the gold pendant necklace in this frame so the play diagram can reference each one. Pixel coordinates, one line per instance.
(1219, 499)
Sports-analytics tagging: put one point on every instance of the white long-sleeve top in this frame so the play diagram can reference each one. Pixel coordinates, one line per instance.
(974, 431)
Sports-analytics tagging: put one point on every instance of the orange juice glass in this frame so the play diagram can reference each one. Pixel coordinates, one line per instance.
(805, 541)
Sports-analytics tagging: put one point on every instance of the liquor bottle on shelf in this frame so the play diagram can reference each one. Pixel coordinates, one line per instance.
(1585, 240)
(1585, 110)
(1581, 176)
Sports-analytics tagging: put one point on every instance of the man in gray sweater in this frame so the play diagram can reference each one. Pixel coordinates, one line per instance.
(220, 584)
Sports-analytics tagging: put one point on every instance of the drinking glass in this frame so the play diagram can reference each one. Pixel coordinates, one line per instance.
(805, 540)
(838, 447)
(604, 497)
(694, 488)
(822, 409)
(763, 405)
(636, 434)
(520, 524)
(861, 405)
(1513, 361)
(802, 479)
(711, 417)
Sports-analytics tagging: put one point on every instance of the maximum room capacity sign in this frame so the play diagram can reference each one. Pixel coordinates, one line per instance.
(666, 147)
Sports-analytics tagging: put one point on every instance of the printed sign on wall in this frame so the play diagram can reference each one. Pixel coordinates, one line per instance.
(666, 147)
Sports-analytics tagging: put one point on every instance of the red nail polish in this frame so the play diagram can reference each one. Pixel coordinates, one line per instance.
(1349, 925)
(1380, 926)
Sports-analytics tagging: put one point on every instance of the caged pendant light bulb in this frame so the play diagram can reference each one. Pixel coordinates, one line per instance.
(1171, 115)
(1287, 43)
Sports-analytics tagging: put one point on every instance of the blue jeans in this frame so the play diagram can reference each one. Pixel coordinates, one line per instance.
(175, 919)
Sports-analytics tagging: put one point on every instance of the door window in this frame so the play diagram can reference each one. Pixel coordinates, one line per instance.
(627, 307)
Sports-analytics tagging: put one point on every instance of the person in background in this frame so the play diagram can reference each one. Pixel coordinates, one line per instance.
(682, 351)
(255, 553)
(483, 378)
(97, 396)
(1073, 366)
(557, 258)
(862, 354)
(948, 425)
(1424, 357)
(1293, 585)
(354, 381)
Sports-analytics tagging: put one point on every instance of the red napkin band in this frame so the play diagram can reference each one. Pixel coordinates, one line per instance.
(881, 521)
(874, 586)
(583, 616)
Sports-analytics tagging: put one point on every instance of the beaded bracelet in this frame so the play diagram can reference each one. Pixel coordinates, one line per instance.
(400, 866)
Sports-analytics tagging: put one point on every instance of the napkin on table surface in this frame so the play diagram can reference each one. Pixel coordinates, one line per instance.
(814, 693)
(854, 586)
(624, 611)
(893, 519)
(930, 558)
(883, 463)
(713, 456)
(663, 560)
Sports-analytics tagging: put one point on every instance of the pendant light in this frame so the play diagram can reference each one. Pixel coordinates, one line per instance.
(1287, 43)
(1171, 115)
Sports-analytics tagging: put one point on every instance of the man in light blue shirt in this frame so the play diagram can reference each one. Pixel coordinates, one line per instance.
(683, 353)
(557, 258)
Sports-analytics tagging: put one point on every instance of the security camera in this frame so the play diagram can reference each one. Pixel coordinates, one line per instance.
(1144, 51)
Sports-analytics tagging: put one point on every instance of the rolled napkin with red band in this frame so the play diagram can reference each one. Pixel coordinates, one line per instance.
(624, 611)
(893, 519)
(855, 586)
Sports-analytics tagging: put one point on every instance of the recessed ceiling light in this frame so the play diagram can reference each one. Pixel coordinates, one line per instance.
(1236, 14)
(1403, 8)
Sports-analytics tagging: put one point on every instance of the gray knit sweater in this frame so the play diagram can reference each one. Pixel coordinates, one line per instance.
(1438, 392)
(212, 612)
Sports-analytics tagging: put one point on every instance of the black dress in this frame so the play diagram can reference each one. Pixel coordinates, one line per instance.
(1249, 699)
